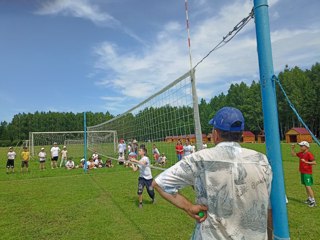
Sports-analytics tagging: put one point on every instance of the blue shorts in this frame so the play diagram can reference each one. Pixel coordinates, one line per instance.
(148, 183)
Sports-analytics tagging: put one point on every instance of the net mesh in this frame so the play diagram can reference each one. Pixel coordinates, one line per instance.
(158, 122)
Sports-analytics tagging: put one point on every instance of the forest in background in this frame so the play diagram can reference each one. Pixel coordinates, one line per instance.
(301, 86)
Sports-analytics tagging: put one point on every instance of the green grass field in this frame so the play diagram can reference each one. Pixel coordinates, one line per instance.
(102, 204)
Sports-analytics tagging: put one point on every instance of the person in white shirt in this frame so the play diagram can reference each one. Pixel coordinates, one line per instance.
(145, 178)
(155, 153)
(162, 159)
(11, 155)
(54, 155)
(187, 148)
(42, 159)
(121, 149)
(232, 184)
(95, 155)
(70, 164)
(64, 156)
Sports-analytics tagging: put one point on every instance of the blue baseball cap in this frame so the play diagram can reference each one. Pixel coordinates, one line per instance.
(228, 119)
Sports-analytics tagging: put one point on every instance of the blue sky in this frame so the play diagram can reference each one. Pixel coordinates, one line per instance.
(109, 55)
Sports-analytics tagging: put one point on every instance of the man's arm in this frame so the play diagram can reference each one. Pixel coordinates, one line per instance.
(181, 202)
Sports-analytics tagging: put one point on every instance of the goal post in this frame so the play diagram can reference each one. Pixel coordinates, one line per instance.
(74, 140)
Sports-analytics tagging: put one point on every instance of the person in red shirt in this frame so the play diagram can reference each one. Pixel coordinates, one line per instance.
(179, 150)
(305, 167)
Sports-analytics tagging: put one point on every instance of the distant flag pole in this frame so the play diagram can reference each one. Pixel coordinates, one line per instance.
(197, 124)
(85, 142)
(188, 31)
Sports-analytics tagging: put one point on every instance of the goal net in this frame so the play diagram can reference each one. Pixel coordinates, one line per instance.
(73, 140)
(162, 120)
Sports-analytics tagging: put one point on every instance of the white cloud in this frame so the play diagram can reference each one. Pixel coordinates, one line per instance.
(84, 9)
(140, 74)
(77, 8)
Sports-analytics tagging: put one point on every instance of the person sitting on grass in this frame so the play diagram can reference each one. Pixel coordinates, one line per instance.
(131, 156)
(109, 163)
(98, 162)
(70, 164)
(90, 164)
(121, 159)
(162, 160)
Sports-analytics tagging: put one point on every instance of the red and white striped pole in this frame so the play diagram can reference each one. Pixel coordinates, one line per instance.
(188, 31)
(197, 124)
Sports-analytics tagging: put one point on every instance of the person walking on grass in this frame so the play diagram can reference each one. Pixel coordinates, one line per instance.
(25, 157)
(306, 161)
(232, 184)
(145, 178)
(42, 159)
(11, 155)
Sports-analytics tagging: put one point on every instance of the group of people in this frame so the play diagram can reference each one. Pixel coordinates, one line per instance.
(11, 155)
(65, 162)
(94, 162)
(184, 150)
(132, 152)
(232, 184)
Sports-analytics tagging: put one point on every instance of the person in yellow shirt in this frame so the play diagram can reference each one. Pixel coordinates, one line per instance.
(25, 156)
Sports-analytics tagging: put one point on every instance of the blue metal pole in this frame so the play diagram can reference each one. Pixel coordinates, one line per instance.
(85, 142)
(271, 124)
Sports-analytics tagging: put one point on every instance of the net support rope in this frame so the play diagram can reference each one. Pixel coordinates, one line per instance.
(274, 78)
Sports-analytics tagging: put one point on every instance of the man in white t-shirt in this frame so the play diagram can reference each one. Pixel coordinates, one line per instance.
(232, 184)
(54, 155)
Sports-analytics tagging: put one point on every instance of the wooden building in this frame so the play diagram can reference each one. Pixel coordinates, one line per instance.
(248, 137)
(297, 135)
(261, 137)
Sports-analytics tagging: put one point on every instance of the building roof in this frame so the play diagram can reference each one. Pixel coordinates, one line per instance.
(247, 134)
(301, 130)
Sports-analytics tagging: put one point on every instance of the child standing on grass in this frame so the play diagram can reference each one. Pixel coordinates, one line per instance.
(25, 157)
(10, 163)
(305, 167)
(42, 159)
(54, 155)
(64, 156)
(145, 178)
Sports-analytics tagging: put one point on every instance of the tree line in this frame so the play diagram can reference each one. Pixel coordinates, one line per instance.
(301, 86)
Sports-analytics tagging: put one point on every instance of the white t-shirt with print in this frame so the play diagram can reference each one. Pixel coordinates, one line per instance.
(144, 168)
(233, 182)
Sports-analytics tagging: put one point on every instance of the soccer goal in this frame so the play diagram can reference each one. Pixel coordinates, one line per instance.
(168, 116)
(74, 140)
